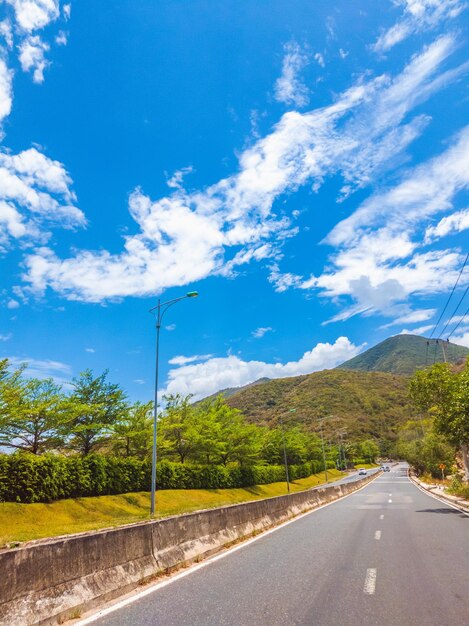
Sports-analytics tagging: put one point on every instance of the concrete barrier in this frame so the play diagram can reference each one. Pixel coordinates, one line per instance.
(47, 581)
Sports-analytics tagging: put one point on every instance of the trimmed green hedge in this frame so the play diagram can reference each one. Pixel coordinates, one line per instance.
(30, 478)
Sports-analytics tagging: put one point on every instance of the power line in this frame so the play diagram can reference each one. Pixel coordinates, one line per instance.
(454, 312)
(450, 295)
(457, 325)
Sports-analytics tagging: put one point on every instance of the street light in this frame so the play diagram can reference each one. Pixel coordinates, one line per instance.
(321, 419)
(285, 450)
(160, 309)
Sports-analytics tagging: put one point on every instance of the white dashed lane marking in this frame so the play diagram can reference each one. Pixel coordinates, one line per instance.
(370, 581)
(381, 516)
(377, 535)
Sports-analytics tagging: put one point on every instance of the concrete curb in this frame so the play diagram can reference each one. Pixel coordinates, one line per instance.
(436, 491)
(48, 581)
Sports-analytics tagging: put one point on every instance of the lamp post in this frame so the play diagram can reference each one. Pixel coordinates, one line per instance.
(159, 310)
(285, 450)
(323, 450)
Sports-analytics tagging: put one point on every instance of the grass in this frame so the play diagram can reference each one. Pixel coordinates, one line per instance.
(24, 522)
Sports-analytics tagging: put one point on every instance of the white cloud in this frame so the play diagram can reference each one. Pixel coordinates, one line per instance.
(32, 51)
(140, 381)
(6, 337)
(378, 262)
(170, 327)
(215, 374)
(7, 33)
(184, 360)
(176, 180)
(289, 89)
(412, 317)
(418, 16)
(319, 58)
(6, 91)
(461, 339)
(454, 223)
(35, 194)
(34, 14)
(12, 304)
(186, 236)
(43, 368)
(61, 38)
(90, 350)
(261, 331)
(421, 330)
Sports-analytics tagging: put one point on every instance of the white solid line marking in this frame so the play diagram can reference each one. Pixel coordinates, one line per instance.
(381, 517)
(370, 581)
(194, 568)
(377, 535)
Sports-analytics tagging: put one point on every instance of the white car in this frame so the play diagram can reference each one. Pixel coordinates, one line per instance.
(362, 471)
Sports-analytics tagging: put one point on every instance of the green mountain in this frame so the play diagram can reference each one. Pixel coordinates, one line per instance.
(364, 404)
(403, 354)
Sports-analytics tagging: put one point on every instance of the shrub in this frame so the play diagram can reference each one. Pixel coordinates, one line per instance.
(32, 478)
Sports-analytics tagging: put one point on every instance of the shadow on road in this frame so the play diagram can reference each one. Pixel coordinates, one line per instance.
(444, 511)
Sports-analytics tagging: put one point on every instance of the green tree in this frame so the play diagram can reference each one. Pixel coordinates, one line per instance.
(444, 394)
(369, 449)
(131, 433)
(178, 431)
(95, 406)
(37, 411)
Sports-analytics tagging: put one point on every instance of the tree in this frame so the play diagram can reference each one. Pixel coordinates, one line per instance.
(36, 411)
(178, 432)
(131, 433)
(95, 405)
(369, 449)
(444, 394)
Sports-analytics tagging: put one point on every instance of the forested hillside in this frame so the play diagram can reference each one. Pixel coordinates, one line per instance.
(364, 404)
(404, 354)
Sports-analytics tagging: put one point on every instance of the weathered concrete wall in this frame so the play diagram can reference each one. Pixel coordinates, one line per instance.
(45, 581)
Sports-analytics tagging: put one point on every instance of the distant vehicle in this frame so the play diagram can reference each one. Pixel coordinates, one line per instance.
(382, 468)
(362, 471)
(387, 469)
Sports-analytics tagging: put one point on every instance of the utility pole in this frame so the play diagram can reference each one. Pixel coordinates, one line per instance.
(323, 450)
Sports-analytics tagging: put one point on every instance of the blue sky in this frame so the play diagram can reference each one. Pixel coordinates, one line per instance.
(303, 165)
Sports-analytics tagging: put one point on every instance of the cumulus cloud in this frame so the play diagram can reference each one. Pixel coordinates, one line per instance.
(32, 57)
(187, 236)
(379, 262)
(289, 89)
(215, 374)
(6, 91)
(454, 223)
(34, 14)
(418, 16)
(35, 194)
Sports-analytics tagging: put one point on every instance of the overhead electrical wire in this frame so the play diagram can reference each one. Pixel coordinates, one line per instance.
(458, 324)
(454, 312)
(450, 296)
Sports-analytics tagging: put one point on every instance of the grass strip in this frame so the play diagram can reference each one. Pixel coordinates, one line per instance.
(24, 522)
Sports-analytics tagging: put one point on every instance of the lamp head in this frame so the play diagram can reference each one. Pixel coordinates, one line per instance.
(192, 294)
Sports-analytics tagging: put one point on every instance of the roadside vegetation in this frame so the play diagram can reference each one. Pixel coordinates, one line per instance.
(91, 441)
(24, 522)
(436, 442)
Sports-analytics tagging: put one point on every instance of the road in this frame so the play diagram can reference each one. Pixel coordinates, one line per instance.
(388, 555)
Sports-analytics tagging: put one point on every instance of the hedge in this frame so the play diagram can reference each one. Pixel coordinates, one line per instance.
(30, 478)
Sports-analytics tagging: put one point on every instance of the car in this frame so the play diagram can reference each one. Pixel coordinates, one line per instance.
(362, 471)
(387, 469)
(382, 468)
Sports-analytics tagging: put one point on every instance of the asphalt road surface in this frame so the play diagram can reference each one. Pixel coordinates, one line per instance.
(388, 555)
